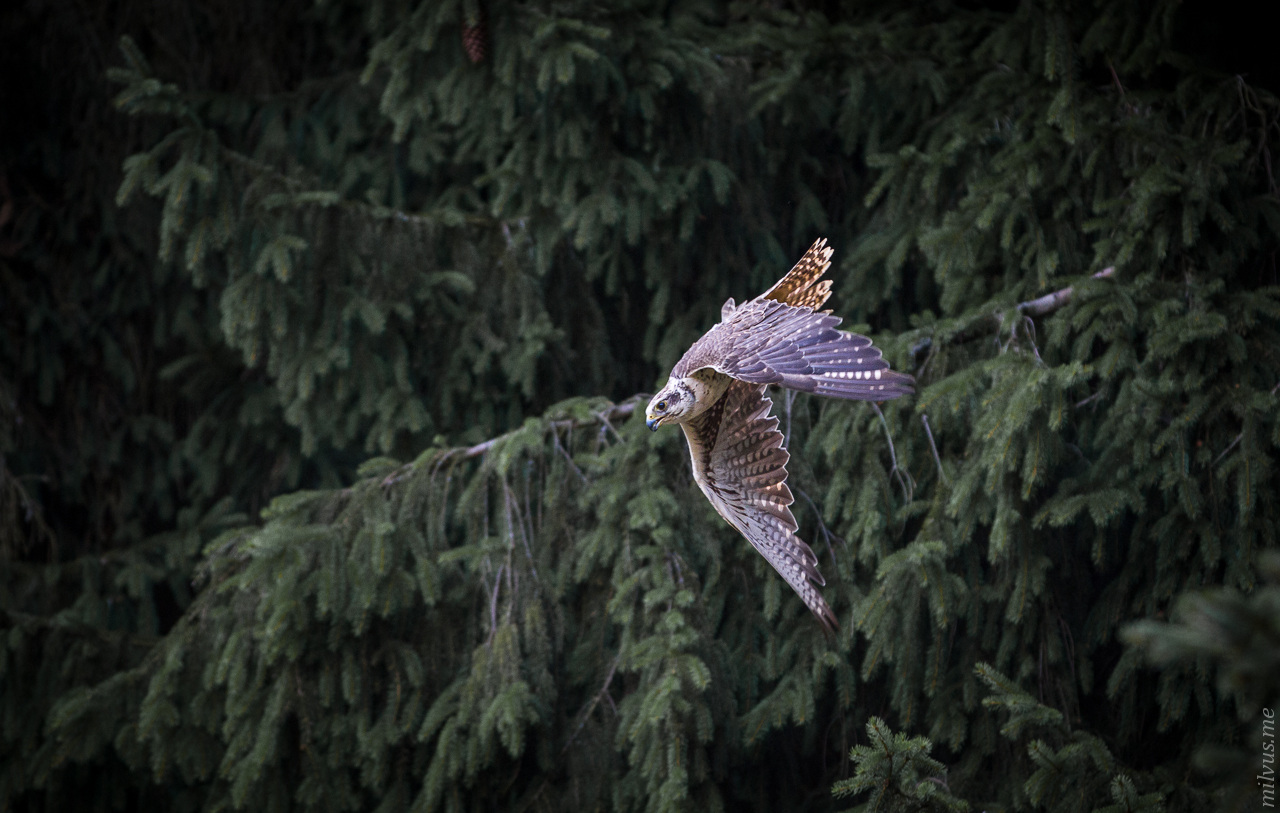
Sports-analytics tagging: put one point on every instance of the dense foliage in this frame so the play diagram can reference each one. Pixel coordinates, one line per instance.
(322, 484)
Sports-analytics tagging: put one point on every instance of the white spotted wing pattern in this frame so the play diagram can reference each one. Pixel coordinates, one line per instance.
(717, 394)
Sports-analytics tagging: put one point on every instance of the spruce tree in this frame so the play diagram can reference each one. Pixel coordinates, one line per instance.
(325, 327)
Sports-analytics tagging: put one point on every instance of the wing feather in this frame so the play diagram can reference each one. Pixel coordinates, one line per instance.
(739, 462)
(781, 337)
(768, 342)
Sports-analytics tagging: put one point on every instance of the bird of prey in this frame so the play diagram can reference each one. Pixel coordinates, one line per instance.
(716, 393)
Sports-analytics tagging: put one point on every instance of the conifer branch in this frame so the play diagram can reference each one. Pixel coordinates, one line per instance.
(1039, 306)
(616, 412)
(1055, 300)
(329, 198)
(15, 501)
(16, 618)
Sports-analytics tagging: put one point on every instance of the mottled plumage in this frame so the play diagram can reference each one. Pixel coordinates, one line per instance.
(717, 394)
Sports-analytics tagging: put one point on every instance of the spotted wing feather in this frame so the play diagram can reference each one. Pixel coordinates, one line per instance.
(740, 464)
(768, 342)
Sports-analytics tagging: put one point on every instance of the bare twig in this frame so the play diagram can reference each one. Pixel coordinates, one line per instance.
(515, 516)
(929, 432)
(1230, 446)
(14, 499)
(1029, 330)
(604, 419)
(1088, 400)
(1249, 102)
(827, 535)
(595, 701)
(555, 438)
(673, 560)
(1115, 77)
(907, 483)
(493, 605)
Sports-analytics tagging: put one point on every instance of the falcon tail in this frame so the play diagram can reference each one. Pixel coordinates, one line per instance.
(801, 287)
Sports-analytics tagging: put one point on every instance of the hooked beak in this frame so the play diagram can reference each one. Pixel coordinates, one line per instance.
(652, 423)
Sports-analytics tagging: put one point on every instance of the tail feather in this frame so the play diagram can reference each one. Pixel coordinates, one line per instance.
(801, 287)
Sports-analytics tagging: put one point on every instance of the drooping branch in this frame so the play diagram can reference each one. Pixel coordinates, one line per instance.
(604, 417)
(10, 619)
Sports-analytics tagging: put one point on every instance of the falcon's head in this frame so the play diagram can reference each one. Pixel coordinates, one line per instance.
(672, 403)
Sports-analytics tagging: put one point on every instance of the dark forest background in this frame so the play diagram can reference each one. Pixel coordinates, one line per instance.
(323, 484)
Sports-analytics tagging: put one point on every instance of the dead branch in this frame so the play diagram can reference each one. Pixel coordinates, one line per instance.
(1055, 300)
(994, 322)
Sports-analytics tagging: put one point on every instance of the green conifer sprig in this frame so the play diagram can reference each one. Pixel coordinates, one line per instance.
(1235, 637)
(898, 772)
(1071, 769)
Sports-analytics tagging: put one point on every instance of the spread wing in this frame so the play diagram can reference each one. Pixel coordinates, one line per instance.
(740, 464)
(768, 342)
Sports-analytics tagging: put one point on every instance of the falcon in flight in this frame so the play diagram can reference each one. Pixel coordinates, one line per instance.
(716, 393)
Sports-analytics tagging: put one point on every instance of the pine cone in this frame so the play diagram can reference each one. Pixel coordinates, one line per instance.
(475, 36)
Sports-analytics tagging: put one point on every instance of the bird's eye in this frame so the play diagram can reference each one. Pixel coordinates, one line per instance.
(661, 406)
